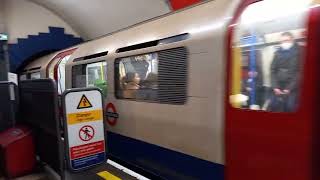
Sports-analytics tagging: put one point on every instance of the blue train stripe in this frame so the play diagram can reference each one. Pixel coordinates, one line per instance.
(161, 161)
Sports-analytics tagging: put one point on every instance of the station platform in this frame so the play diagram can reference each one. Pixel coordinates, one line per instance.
(110, 171)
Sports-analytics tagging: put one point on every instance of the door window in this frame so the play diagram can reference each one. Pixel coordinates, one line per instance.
(267, 55)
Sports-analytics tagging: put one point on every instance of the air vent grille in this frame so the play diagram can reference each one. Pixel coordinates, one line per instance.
(173, 76)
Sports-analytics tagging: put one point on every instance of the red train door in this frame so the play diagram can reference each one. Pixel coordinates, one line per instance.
(272, 82)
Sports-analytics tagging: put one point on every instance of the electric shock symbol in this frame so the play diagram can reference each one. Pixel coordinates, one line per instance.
(86, 133)
(84, 103)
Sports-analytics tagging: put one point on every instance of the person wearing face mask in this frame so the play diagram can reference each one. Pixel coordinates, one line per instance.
(285, 71)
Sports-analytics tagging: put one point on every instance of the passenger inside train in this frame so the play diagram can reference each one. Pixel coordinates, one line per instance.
(138, 77)
(267, 65)
(285, 71)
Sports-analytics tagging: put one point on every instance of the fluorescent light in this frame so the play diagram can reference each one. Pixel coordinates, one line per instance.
(269, 10)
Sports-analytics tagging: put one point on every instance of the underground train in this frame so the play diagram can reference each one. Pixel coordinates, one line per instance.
(226, 89)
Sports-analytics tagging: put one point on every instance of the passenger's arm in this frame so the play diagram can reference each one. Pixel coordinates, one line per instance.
(295, 74)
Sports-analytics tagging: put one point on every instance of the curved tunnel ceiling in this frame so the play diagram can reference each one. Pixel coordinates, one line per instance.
(95, 18)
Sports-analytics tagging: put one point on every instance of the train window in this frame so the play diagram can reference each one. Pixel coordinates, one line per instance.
(23, 77)
(138, 77)
(90, 75)
(159, 77)
(267, 56)
(35, 75)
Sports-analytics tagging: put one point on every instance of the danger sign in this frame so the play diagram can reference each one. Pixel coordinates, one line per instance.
(84, 127)
(84, 103)
(86, 133)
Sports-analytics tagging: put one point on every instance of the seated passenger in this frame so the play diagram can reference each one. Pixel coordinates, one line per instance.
(131, 85)
(252, 85)
(285, 71)
(132, 81)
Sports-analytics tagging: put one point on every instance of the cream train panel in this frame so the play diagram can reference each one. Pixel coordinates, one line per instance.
(195, 20)
(207, 33)
(41, 62)
(159, 123)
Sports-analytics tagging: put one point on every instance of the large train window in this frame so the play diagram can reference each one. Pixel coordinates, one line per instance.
(90, 75)
(157, 77)
(138, 77)
(267, 55)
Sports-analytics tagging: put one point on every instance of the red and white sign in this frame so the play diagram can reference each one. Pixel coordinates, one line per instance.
(87, 149)
(112, 115)
(85, 128)
(86, 133)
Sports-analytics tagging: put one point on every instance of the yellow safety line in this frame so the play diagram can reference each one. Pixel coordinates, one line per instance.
(108, 176)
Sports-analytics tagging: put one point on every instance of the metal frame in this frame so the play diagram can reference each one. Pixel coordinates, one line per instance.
(57, 128)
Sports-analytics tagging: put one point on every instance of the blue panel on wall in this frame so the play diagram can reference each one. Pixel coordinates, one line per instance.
(54, 40)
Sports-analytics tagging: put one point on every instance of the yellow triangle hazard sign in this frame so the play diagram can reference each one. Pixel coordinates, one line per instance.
(84, 103)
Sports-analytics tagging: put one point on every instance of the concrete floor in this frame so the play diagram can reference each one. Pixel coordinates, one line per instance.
(39, 176)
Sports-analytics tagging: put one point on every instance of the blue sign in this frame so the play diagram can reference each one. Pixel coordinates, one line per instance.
(88, 161)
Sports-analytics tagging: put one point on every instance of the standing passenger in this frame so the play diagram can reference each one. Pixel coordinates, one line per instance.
(285, 71)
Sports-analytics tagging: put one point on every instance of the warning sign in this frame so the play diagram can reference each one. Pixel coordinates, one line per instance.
(84, 128)
(87, 149)
(86, 133)
(84, 103)
(87, 116)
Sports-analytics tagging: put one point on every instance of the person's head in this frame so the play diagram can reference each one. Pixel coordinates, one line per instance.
(287, 40)
(133, 77)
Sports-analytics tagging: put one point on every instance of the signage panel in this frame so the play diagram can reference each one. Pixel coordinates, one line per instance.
(84, 128)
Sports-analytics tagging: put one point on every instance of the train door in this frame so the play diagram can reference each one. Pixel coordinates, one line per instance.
(271, 102)
(56, 68)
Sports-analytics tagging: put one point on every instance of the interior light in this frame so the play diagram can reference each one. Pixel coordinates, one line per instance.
(3, 37)
(269, 10)
(238, 99)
